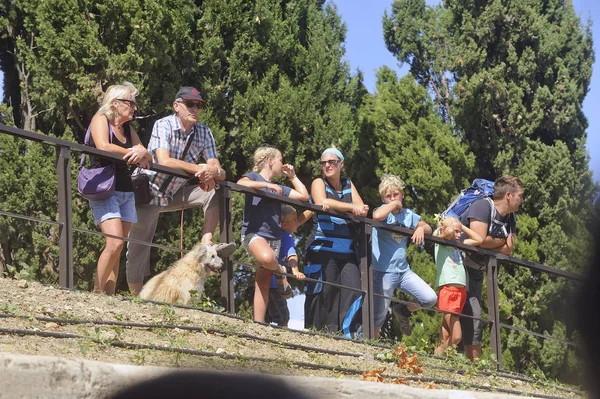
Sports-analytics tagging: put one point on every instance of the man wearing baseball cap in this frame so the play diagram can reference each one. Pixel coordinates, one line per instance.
(178, 141)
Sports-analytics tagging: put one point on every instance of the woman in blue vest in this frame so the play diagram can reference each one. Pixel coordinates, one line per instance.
(330, 254)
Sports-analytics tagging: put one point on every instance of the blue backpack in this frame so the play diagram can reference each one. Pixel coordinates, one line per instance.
(480, 188)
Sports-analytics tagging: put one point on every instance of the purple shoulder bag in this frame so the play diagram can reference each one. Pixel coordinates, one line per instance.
(96, 183)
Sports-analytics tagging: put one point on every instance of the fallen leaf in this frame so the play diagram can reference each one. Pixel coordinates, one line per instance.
(373, 375)
(400, 380)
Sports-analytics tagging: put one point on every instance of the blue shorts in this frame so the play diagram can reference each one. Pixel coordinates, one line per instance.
(121, 205)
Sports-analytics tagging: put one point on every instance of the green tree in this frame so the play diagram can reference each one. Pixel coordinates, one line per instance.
(269, 72)
(518, 72)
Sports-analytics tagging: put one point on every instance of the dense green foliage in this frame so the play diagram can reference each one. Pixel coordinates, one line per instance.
(510, 78)
(495, 87)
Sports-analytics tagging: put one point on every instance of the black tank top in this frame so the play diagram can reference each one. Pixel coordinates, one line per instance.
(122, 171)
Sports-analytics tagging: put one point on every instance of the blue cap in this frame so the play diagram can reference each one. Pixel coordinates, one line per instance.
(335, 152)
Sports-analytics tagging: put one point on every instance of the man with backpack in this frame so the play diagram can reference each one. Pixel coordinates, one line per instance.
(494, 219)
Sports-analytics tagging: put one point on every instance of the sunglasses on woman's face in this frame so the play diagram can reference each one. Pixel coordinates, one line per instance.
(330, 162)
(131, 103)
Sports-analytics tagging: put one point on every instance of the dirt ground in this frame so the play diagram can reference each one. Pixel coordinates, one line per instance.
(43, 320)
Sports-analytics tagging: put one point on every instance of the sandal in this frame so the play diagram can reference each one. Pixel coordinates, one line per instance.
(285, 291)
(282, 269)
(225, 249)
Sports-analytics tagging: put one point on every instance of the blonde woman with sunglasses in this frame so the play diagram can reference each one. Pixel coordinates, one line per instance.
(110, 131)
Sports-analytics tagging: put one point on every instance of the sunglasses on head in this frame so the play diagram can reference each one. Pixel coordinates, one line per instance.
(192, 104)
(329, 162)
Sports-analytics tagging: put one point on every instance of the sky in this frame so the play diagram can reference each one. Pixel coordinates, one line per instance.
(365, 50)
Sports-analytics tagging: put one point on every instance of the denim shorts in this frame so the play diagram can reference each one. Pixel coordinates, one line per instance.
(250, 237)
(121, 205)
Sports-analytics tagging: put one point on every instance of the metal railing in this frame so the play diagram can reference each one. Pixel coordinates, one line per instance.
(63, 172)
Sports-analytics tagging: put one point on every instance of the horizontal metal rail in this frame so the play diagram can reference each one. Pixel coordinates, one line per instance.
(29, 218)
(365, 223)
(545, 336)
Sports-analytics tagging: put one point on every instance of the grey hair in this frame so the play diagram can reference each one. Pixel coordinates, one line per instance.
(114, 92)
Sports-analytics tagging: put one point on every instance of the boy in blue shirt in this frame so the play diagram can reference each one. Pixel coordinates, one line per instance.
(390, 268)
(277, 308)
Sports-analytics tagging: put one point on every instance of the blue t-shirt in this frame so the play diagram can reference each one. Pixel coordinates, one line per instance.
(261, 215)
(286, 250)
(389, 248)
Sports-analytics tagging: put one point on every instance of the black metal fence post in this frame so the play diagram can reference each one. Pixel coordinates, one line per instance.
(494, 309)
(65, 217)
(227, 288)
(366, 282)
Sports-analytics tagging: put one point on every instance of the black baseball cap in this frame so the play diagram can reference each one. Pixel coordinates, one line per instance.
(189, 93)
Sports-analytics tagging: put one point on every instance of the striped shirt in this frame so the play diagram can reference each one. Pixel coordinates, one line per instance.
(168, 134)
(331, 233)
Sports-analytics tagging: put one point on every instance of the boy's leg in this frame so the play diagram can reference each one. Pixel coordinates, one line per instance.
(382, 285)
(411, 284)
(277, 308)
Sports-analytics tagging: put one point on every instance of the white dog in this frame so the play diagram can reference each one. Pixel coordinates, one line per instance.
(187, 274)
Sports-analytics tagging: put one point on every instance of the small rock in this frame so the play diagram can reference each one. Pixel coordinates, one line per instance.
(368, 357)
(185, 320)
(48, 311)
(110, 335)
(220, 350)
(22, 284)
(53, 326)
